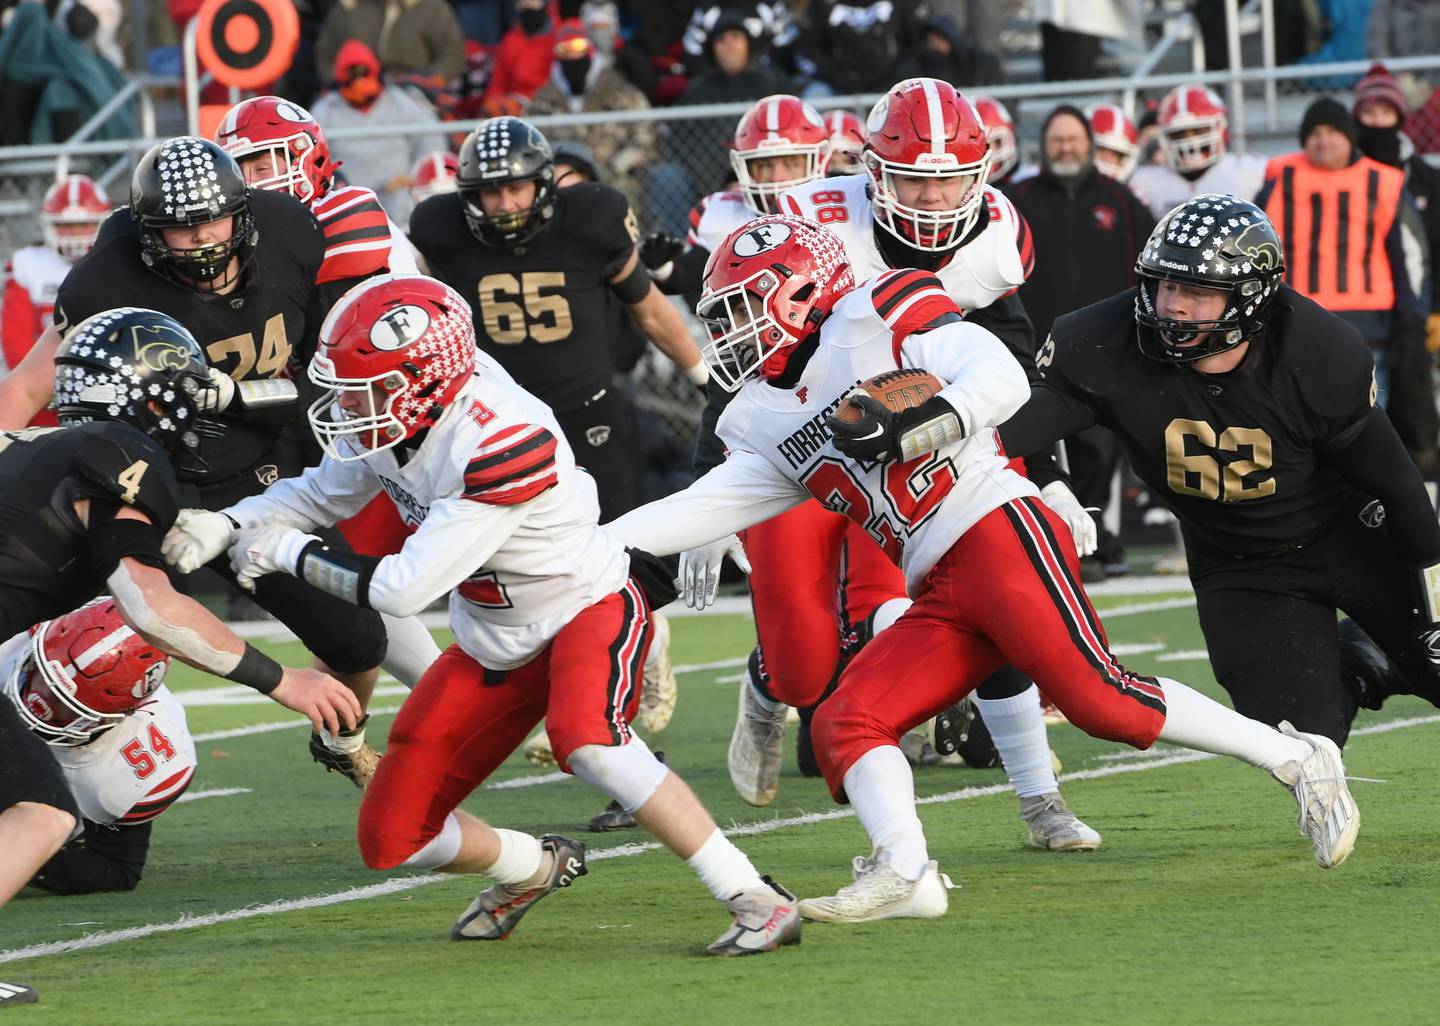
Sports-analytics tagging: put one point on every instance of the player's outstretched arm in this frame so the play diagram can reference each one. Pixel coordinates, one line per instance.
(26, 389)
(659, 319)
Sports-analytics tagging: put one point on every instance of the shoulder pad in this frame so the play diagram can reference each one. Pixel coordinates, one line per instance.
(511, 466)
(908, 299)
(118, 462)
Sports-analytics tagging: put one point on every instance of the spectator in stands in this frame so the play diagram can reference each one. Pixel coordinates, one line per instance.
(979, 21)
(1071, 31)
(409, 37)
(1088, 229)
(524, 57)
(854, 47)
(1381, 108)
(945, 55)
(767, 22)
(582, 79)
(653, 55)
(364, 99)
(484, 21)
(1355, 244)
(1403, 28)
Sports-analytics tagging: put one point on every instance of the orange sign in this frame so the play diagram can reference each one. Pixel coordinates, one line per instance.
(247, 43)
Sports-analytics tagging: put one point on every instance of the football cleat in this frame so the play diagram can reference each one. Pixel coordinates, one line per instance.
(1054, 827)
(878, 892)
(766, 918)
(1328, 814)
(496, 912)
(614, 816)
(756, 747)
(357, 766)
(537, 749)
(659, 691)
(19, 994)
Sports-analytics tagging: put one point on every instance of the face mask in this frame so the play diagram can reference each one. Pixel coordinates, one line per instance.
(361, 92)
(532, 20)
(1382, 144)
(575, 73)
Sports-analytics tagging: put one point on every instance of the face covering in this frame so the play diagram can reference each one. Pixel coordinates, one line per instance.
(532, 20)
(361, 92)
(575, 72)
(1382, 144)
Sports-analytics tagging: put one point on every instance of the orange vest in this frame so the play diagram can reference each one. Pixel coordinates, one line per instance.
(1333, 225)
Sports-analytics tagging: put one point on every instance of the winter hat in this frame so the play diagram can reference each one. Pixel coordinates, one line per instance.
(1328, 111)
(1379, 86)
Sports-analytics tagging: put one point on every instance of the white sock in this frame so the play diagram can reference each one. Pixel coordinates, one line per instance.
(410, 651)
(724, 868)
(1194, 721)
(1018, 730)
(887, 613)
(768, 704)
(349, 744)
(882, 790)
(520, 858)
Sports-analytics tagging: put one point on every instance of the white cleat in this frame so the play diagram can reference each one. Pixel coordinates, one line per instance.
(659, 691)
(537, 749)
(879, 892)
(1054, 827)
(1328, 814)
(756, 747)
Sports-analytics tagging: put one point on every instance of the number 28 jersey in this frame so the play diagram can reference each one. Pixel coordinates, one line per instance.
(779, 450)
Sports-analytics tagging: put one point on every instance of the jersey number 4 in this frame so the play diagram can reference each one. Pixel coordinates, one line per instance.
(141, 760)
(539, 316)
(1204, 475)
(911, 492)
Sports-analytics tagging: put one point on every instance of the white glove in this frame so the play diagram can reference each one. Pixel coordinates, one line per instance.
(258, 551)
(1061, 499)
(197, 537)
(219, 395)
(700, 570)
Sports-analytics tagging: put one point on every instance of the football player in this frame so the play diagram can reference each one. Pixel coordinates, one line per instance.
(1195, 140)
(93, 690)
(1250, 411)
(70, 217)
(994, 576)
(847, 141)
(282, 148)
(432, 175)
(86, 506)
(922, 203)
(1004, 144)
(549, 612)
(237, 267)
(1117, 147)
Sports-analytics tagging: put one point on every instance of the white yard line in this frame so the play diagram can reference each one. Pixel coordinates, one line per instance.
(219, 792)
(106, 938)
(1186, 655)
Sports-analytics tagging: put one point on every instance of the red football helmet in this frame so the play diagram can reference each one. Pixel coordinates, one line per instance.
(1193, 128)
(73, 200)
(84, 673)
(778, 126)
(1116, 142)
(433, 174)
(924, 128)
(300, 157)
(394, 351)
(766, 288)
(847, 142)
(1000, 130)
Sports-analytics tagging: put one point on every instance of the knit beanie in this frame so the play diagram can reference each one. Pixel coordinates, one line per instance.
(1328, 111)
(1379, 86)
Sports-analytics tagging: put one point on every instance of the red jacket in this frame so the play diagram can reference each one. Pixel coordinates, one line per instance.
(522, 63)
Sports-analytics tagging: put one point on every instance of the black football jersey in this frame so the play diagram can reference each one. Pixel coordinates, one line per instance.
(542, 309)
(1239, 457)
(254, 332)
(47, 566)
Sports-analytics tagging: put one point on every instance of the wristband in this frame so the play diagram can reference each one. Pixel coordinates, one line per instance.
(1427, 589)
(257, 670)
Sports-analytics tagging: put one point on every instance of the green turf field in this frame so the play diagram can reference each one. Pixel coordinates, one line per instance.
(1204, 904)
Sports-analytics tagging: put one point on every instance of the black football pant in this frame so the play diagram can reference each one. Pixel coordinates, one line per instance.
(1093, 455)
(1269, 624)
(602, 434)
(28, 770)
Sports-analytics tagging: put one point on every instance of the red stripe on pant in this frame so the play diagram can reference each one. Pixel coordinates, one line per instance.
(994, 597)
(455, 729)
(794, 589)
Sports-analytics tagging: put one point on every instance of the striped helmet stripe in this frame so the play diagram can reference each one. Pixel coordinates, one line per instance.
(937, 118)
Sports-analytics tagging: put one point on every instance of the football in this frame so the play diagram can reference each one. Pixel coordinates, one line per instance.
(898, 389)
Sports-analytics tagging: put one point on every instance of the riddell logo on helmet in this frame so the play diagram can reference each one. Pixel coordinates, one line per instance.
(936, 160)
(1172, 265)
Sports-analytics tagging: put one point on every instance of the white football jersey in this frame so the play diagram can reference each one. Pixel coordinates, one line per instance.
(780, 453)
(1235, 174)
(512, 538)
(39, 270)
(989, 267)
(132, 772)
(715, 217)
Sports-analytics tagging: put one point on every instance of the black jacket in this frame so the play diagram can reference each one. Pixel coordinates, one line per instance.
(1087, 235)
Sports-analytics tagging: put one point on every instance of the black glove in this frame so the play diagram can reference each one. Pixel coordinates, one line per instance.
(1426, 632)
(658, 249)
(881, 434)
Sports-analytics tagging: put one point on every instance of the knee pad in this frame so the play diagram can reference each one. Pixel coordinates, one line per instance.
(362, 646)
(629, 773)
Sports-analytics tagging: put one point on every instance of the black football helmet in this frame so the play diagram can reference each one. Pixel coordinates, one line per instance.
(1216, 242)
(141, 368)
(506, 150)
(189, 181)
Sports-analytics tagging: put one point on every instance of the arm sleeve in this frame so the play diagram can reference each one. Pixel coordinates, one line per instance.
(739, 493)
(1376, 463)
(1047, 417)
(100, 859)
(985, 384)
(319, 497)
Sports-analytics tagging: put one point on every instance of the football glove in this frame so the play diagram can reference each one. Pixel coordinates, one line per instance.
(700, 570)
(197, 537)
(1061, 499)
(658, 251)
(258, 551)
(881, 434)
(219, 395)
